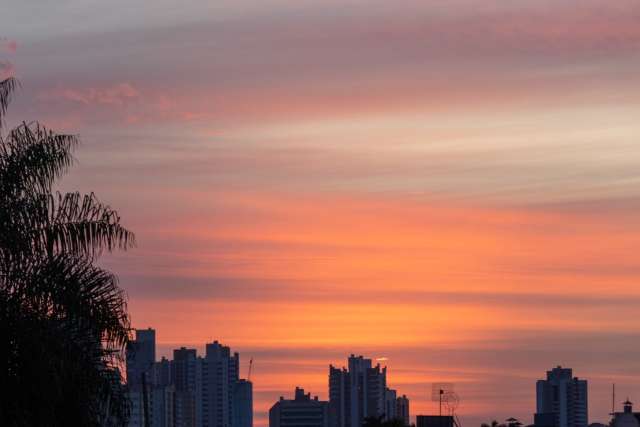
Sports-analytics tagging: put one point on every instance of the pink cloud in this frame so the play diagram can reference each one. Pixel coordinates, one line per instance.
(8, 45)
(7, 70)
(120, 102)
(114, 95)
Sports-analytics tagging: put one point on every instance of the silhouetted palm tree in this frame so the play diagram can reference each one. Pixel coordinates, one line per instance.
(63, 320)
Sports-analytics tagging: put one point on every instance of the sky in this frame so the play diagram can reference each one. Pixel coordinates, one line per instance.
(451, 185)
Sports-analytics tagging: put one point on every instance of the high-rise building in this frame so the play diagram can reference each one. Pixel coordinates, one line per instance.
(302, 410)
(189, 391)
(161, 373)
(162, 408)
(390, 404)
(243, 404)
(561, 400)
(141, 356)
(402, 409)
(184, 380)
(339, 397)
(217, 378)
(358, 393)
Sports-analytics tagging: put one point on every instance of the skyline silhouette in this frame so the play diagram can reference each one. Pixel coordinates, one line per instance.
(542, 391)
(451, 185)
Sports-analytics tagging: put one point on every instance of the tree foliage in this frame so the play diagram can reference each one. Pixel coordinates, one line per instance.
(63, 319)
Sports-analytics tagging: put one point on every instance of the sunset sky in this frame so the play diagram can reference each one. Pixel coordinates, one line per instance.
(453, 185)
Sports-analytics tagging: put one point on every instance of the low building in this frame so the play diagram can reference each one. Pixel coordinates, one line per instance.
(301, 411)
(626, 418)
(434, 421)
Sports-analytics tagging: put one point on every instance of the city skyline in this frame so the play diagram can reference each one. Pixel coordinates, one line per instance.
(541, 399)
(453, 186)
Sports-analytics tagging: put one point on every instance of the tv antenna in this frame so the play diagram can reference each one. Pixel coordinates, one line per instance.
(613, 400)
(440, 393)
(450, 400)
(447, 398)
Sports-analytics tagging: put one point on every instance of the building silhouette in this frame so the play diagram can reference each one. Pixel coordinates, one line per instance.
(626, 418)
(359, 392)
(301, 411)
(242, 404)
(217, 375)
(435, 421)
(390, 404)
(561, 400)
(188, 391)
(140, 356)
(402, 409)
(184, 380)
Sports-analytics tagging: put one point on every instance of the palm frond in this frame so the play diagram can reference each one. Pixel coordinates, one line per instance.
(68, 324)
(80, 224)
(49, 225)
(63, 320)
(32, 157)
(73, 290)
(7, 86)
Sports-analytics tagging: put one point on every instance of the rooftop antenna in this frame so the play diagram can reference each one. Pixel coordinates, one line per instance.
(250, 368)
(438, 392)
(451, 400)
(444, 394)
(613, 399)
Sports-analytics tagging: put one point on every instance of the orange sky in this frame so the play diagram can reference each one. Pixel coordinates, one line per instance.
(452, 185)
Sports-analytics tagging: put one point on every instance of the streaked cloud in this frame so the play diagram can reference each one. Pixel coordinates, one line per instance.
(8, 45)
(115, 95)
(452, 185)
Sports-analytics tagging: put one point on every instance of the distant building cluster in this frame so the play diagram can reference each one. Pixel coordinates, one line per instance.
(207, 391)
(355, 393)
(562, 401)
(360, 392)
(189, 390)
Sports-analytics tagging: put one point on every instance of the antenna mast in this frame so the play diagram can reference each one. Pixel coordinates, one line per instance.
(444, 394)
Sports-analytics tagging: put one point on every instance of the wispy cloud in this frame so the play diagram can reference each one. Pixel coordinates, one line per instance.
(465, 170)
(7, 45)
(115, 95)
(7, 69)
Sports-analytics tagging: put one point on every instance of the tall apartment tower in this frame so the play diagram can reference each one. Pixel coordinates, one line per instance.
(302, 410)
(141, 356)
(402, 409)
(390, 404)
(220, 400)
(356, 393)
(184, 381)
(561, 400)
(243, 404)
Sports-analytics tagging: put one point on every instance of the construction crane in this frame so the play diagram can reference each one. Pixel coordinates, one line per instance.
(250, 368)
